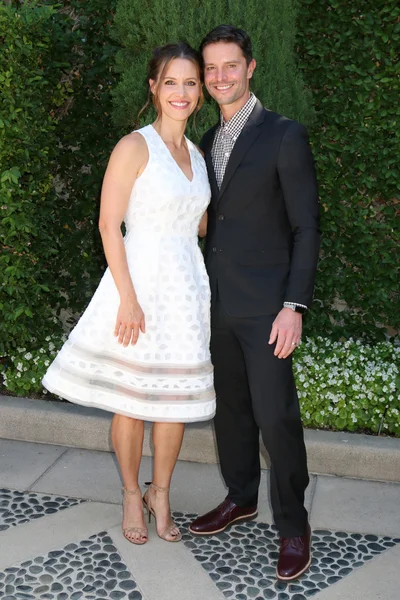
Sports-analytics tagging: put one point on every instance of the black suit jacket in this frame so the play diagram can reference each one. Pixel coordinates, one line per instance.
(263, 224)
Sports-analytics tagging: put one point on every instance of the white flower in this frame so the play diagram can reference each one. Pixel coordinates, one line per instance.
(46, 363)
(19, 367)
(28, 356)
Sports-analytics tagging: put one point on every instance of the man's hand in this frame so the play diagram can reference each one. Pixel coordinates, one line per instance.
(286, 332)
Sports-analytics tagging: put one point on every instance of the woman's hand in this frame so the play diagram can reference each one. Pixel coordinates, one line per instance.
(130, 319)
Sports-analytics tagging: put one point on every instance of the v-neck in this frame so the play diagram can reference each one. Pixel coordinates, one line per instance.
(173, 159)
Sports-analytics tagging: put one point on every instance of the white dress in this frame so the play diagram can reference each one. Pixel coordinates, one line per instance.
(167, 375)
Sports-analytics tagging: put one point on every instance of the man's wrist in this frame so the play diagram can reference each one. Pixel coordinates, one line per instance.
(296, 307)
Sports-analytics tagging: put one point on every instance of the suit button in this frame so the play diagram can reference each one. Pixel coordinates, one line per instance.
(221, 217)
(214, 250)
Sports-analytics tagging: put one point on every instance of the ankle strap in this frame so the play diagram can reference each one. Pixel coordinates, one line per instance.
(130, 492)
(158, 488)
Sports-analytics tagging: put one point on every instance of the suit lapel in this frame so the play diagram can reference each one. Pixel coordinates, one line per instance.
(247, 137)
(209, 162)
(211, 176)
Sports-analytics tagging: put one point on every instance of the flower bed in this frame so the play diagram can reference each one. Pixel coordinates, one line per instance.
(348, 385)
(23, 372)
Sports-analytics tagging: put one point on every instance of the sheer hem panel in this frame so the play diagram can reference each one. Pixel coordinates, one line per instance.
(67, 375)
(157, 411)
(87, 354)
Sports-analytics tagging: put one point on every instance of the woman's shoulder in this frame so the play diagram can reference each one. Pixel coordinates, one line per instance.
(131, 145)
(130, 154)
(133, 140)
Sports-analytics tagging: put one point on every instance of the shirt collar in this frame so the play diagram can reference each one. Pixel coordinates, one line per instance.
(238, 121)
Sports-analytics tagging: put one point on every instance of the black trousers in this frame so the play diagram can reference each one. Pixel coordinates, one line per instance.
(256, 392)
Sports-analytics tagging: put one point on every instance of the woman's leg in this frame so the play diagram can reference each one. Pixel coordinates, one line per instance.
(127, 438)
(167, 440)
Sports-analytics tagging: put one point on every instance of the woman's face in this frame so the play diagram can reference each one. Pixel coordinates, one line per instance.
(179, 90)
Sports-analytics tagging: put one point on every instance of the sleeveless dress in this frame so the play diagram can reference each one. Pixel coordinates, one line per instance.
(167, 376)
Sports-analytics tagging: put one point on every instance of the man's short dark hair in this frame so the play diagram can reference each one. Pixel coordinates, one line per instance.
(229, 33)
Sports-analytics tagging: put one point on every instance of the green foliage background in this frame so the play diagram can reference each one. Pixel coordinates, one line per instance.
(73, 79)
(85, 138)
(349, 55)
(56, 74)
(31, 93)
(278, 81)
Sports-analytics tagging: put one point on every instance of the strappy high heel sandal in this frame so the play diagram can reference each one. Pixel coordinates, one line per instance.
(142, 531)
(168, 531)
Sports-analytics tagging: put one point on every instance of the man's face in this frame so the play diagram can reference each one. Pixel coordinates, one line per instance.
(226, 73)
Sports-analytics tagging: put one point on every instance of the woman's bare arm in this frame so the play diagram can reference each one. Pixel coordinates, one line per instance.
(204, 219)
(126, 163)
(203, 225)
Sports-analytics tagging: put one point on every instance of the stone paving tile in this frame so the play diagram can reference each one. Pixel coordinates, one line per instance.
(242, 561)
(89, 570)
(18, 507)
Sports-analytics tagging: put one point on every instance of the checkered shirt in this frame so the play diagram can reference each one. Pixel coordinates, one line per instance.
(226, 136)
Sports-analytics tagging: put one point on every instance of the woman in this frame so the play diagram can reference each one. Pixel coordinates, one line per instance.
(141, 349)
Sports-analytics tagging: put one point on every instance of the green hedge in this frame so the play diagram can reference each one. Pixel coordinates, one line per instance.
(349, 53)
(86, 137)
(272, 25)
(56, 133)
(30, 96)
(56, 137)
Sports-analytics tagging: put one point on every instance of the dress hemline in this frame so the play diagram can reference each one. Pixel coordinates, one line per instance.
(108, 408)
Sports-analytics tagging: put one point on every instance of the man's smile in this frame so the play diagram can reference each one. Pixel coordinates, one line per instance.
(223, 88)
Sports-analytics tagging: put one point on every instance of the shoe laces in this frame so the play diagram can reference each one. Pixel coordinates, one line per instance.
(293, 542)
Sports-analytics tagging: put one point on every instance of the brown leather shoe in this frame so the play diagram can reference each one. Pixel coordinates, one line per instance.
(220, 518)
(294, 556)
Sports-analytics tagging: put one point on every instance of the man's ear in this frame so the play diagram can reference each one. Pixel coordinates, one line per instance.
(251, 68)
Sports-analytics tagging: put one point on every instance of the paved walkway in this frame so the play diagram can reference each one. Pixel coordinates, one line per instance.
(60, 536)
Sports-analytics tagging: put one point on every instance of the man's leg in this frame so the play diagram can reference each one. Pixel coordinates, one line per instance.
(236, 430)
(277, 413)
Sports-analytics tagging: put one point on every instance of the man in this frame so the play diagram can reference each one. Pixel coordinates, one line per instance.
(261, 256)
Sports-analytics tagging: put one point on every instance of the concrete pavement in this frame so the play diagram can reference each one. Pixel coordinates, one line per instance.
(60, 535)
